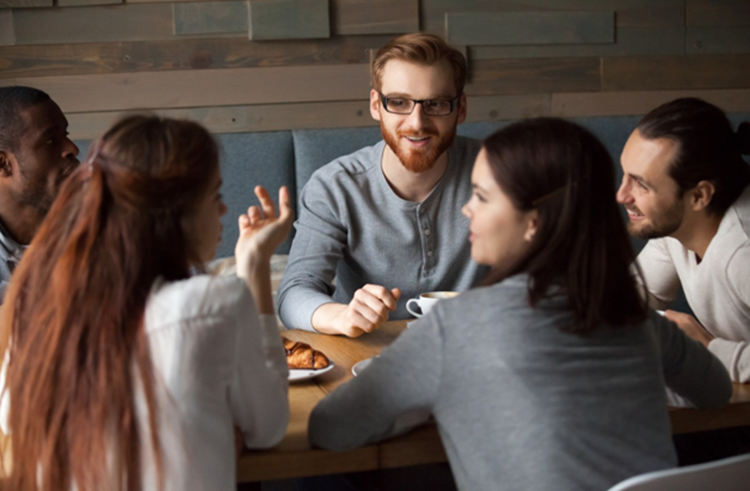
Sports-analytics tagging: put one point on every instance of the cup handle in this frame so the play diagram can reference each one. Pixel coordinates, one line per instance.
(415, 314)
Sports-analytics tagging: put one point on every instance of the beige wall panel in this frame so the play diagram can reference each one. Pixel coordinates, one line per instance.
(7, 35)
(718, 39)
(93, 24)
(288, 19)
(500, 107)
(718, 12)
(641, 102)
(57, 59)
(676, 72)
(196, 88)
(240, 119)
(25, 3)
(7, 82)
(491, 77)
(515, 28)
(631, 41)
(630, 13)
(209, 17)
(374, 16)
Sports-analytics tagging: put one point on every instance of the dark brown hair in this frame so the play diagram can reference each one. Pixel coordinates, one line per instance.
(73, 317)
(707, 148)
(581, 245)
(422, 49)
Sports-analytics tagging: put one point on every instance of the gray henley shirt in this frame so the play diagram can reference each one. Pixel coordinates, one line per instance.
(353, 227)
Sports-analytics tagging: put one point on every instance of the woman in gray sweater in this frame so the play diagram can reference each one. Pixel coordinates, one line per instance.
(552, 374)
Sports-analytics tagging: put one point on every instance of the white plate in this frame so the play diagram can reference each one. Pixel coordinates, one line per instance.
(359, 366)
(300, 374)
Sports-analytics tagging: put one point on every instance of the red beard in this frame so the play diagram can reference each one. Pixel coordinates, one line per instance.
(418, 160)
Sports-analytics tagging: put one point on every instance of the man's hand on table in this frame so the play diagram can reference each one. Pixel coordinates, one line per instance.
(367, 311)
(690, 326)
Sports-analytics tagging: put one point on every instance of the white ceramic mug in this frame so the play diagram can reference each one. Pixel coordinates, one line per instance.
(426, 301)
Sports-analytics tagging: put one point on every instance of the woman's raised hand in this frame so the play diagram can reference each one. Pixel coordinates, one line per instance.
(261, 230)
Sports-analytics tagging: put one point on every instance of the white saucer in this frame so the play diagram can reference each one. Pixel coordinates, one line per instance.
(300, 374)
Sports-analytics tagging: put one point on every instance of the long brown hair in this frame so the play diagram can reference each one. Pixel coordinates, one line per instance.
(73, 314)
(581, 245)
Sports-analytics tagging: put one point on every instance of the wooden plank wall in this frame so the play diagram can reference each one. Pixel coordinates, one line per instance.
(234, 66)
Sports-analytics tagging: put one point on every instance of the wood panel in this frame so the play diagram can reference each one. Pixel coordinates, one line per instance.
(489, 77)
(241, 119)
(374, 16)
(630, 13)
(25, 3)
(514, 28)
(210, 17)
(187, 54)
(501, 107)
(630, 41)
(676, 72)
(57, 59)
(288, 19)
(7, 35)
(196, 88)
(571, 105)
(79, 3)
(93, 24)
(717, 12)
(719, 40)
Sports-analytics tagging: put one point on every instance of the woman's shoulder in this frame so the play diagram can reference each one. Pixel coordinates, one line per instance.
(199, 296)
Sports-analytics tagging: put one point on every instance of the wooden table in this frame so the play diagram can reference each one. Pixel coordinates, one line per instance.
(294, 457)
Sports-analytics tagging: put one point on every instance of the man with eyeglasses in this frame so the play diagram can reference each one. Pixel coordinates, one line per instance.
(386, 220)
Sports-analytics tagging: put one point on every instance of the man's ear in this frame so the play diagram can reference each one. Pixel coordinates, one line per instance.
(461, 109)
(6, 166)
(701, 195)
(375, 104)
(531, 225)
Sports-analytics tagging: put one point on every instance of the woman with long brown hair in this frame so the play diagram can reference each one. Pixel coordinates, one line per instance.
(552, 374)
(124, 370)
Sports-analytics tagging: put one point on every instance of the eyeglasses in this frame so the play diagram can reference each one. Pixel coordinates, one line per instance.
(431, 107)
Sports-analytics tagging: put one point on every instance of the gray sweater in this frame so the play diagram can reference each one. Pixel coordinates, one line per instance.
(353, 227)
(520, 404)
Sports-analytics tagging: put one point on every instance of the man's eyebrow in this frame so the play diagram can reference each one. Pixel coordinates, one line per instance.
(400, 95)
(640, 179)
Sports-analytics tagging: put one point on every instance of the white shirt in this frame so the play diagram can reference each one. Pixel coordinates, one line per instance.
(217, 364)
(717, 288)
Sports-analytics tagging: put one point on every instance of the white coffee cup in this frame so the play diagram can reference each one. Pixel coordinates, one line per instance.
(426, 301)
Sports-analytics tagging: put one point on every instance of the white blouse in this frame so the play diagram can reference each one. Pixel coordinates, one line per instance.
(218, 364)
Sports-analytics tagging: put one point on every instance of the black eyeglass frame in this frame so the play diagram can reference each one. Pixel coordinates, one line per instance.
(385, 99)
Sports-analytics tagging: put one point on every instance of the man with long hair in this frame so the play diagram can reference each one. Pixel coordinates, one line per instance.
(35, 156)
(685, 190)
(386, 220)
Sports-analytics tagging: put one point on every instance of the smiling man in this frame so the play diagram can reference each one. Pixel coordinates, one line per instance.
(386, 220)
(35, 157)
(685, 187)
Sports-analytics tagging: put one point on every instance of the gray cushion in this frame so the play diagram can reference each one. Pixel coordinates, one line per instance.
(249, 159)
(315, 148)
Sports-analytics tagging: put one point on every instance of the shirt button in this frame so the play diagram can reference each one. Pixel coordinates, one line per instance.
(427, 231)
(429, 254)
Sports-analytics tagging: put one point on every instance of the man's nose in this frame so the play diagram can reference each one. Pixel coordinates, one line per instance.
(623, 193)
(70, 149)
(417, 117)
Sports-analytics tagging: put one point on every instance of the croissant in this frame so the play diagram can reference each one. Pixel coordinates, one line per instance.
(301, 355)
